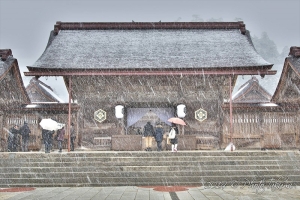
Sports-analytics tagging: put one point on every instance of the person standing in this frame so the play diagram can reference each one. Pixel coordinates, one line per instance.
(47, 137)
(16, 140)
(72, 136)
(159, 136)
(174, 141)
(60, 138)
(25, 131)
(12, 138)
(148, 133)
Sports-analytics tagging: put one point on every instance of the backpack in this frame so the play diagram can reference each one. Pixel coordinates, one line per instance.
(172, 133)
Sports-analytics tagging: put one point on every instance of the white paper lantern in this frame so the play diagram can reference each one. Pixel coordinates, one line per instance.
(181, 110)
(119, 109)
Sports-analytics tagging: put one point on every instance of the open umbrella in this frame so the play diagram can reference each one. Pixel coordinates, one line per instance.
(51, 125)
(177, 120)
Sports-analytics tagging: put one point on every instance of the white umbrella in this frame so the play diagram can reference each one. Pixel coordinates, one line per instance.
(51, 125)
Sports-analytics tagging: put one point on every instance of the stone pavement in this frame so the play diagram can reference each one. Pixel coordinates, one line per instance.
(148, 193)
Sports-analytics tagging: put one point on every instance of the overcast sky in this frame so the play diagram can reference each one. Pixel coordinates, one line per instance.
(25, 25)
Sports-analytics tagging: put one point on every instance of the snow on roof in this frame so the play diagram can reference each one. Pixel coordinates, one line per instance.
(240, 90)
(52, 93)
(31, 106)
(268, 104)
(157, 48)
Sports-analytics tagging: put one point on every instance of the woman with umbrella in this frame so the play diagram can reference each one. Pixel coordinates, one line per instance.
(174, 141)
(174, 121)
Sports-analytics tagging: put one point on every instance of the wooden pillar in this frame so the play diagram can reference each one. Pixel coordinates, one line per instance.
(230, 105)
(69, 115)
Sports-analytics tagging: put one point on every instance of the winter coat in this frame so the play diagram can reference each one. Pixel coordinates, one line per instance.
(72, 132)
(47, 135)
(11, 135)
(61, 134)
(14, 133)
(175, 140)
(159, 134)
(148, 130)
(25, 131)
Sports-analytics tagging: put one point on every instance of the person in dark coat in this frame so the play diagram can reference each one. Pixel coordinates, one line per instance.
(17, 137)
(148, 133)
(47, 137)
(72, 136)
(159, 136)
(60, 138)
(174, 141)
(25, 131)
(12, 139)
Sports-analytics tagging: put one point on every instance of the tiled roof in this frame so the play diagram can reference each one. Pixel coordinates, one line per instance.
(149, 46)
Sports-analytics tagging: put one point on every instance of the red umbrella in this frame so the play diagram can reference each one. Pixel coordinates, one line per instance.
(177, 120)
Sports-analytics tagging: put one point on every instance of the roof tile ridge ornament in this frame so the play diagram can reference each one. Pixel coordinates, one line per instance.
(5, 53)
(242, 27)
(294, 51)
(147, 25)
(57, 27)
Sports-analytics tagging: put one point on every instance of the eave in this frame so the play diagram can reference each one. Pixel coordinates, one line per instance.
(265, 70)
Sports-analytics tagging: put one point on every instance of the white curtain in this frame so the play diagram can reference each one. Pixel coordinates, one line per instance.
(164, 114)
(135, 114)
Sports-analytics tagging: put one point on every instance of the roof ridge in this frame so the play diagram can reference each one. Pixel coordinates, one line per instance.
(147, 25)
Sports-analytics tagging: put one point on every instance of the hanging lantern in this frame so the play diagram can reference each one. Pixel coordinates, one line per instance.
(181, 110)
(119, 110)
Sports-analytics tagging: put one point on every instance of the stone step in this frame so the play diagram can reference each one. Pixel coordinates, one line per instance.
(143, 174)
(14, 169)
(149, 154)
(154, 163)
(259, 185)
(147, 159)
(146, 180)
(147, 168)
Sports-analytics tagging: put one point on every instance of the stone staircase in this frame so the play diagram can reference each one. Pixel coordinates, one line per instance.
(195, 168)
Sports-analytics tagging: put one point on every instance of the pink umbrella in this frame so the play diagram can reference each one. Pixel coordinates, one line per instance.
(177, 120)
